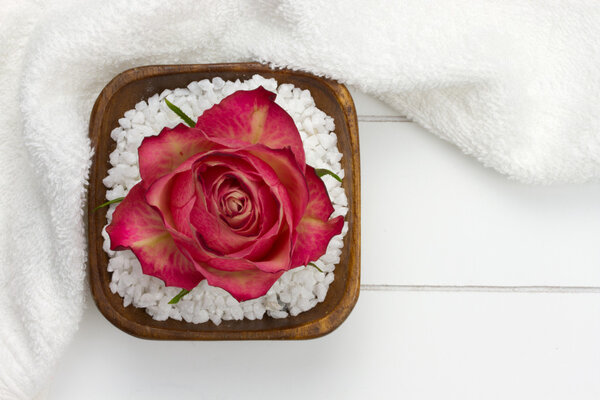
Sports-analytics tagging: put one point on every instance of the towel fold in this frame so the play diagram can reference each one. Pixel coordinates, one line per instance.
(514, 84)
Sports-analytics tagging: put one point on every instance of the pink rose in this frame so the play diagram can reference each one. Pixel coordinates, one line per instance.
(231, 200)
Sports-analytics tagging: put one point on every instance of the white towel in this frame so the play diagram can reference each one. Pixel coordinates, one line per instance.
(515, 84)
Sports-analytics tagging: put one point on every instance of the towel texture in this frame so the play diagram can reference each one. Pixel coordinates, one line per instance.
(514, 84)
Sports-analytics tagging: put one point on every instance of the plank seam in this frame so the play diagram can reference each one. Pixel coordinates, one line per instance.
(382, 118)
(476, 288)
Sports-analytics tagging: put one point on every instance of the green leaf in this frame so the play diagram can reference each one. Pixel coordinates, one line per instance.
(190, 122)
(322, 171)
(179, 296)
(315, 265)
(108, 203)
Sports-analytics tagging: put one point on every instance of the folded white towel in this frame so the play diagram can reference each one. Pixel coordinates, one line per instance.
(515, 84)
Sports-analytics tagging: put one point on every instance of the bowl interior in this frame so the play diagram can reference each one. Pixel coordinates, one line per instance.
(137, 84)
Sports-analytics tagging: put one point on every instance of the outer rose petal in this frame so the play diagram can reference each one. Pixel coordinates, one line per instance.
(279, 256)
(138, 226)
(253, 117)
(182, 201)
(244, 284)
(162, 154)
(200, 255)
(315, 229)
(173, 194)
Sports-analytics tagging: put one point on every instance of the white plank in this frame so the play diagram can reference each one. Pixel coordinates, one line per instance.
(414, 345)
(367, 105)
(433, 216)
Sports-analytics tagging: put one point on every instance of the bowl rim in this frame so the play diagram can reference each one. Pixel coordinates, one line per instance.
(311, 329)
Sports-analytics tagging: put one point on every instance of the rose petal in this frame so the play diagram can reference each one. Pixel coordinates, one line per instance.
(252, 174)
(282, 164)
(243, 284)
(238, 182)
(315, 230)
(267, 208)
(182, 201)
(235, 205)
(253, 117)
(162, 154)
(200, 255)
(271, 248)
(278, 257)
(139, 227)
(313, 237)
(261, 209)
(213, 233)
(173, 194)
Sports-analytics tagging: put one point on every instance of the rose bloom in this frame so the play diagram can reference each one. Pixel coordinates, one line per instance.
(231, 201)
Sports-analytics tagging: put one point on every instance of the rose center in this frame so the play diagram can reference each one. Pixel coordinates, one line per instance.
(234, 204)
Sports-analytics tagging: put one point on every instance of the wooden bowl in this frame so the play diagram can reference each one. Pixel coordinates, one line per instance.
(137, 84)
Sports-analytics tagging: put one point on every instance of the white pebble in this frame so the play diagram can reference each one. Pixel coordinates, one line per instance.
(327, 140)
(278, 314)
(200, 317)
(237, 312)
(181, 92)
(130, 114)
(205, 85)
(138, 118)
(125, 123)
(117, 134)
(195, 88)
(218, 83)
(164, 94)
(320, 291)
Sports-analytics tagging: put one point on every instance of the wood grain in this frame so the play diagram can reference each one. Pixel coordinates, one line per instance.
(137, 84)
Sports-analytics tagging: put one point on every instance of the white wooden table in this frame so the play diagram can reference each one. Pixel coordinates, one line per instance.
(473, 287)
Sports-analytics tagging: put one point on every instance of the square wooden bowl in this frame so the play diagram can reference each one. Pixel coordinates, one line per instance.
(137, 84)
